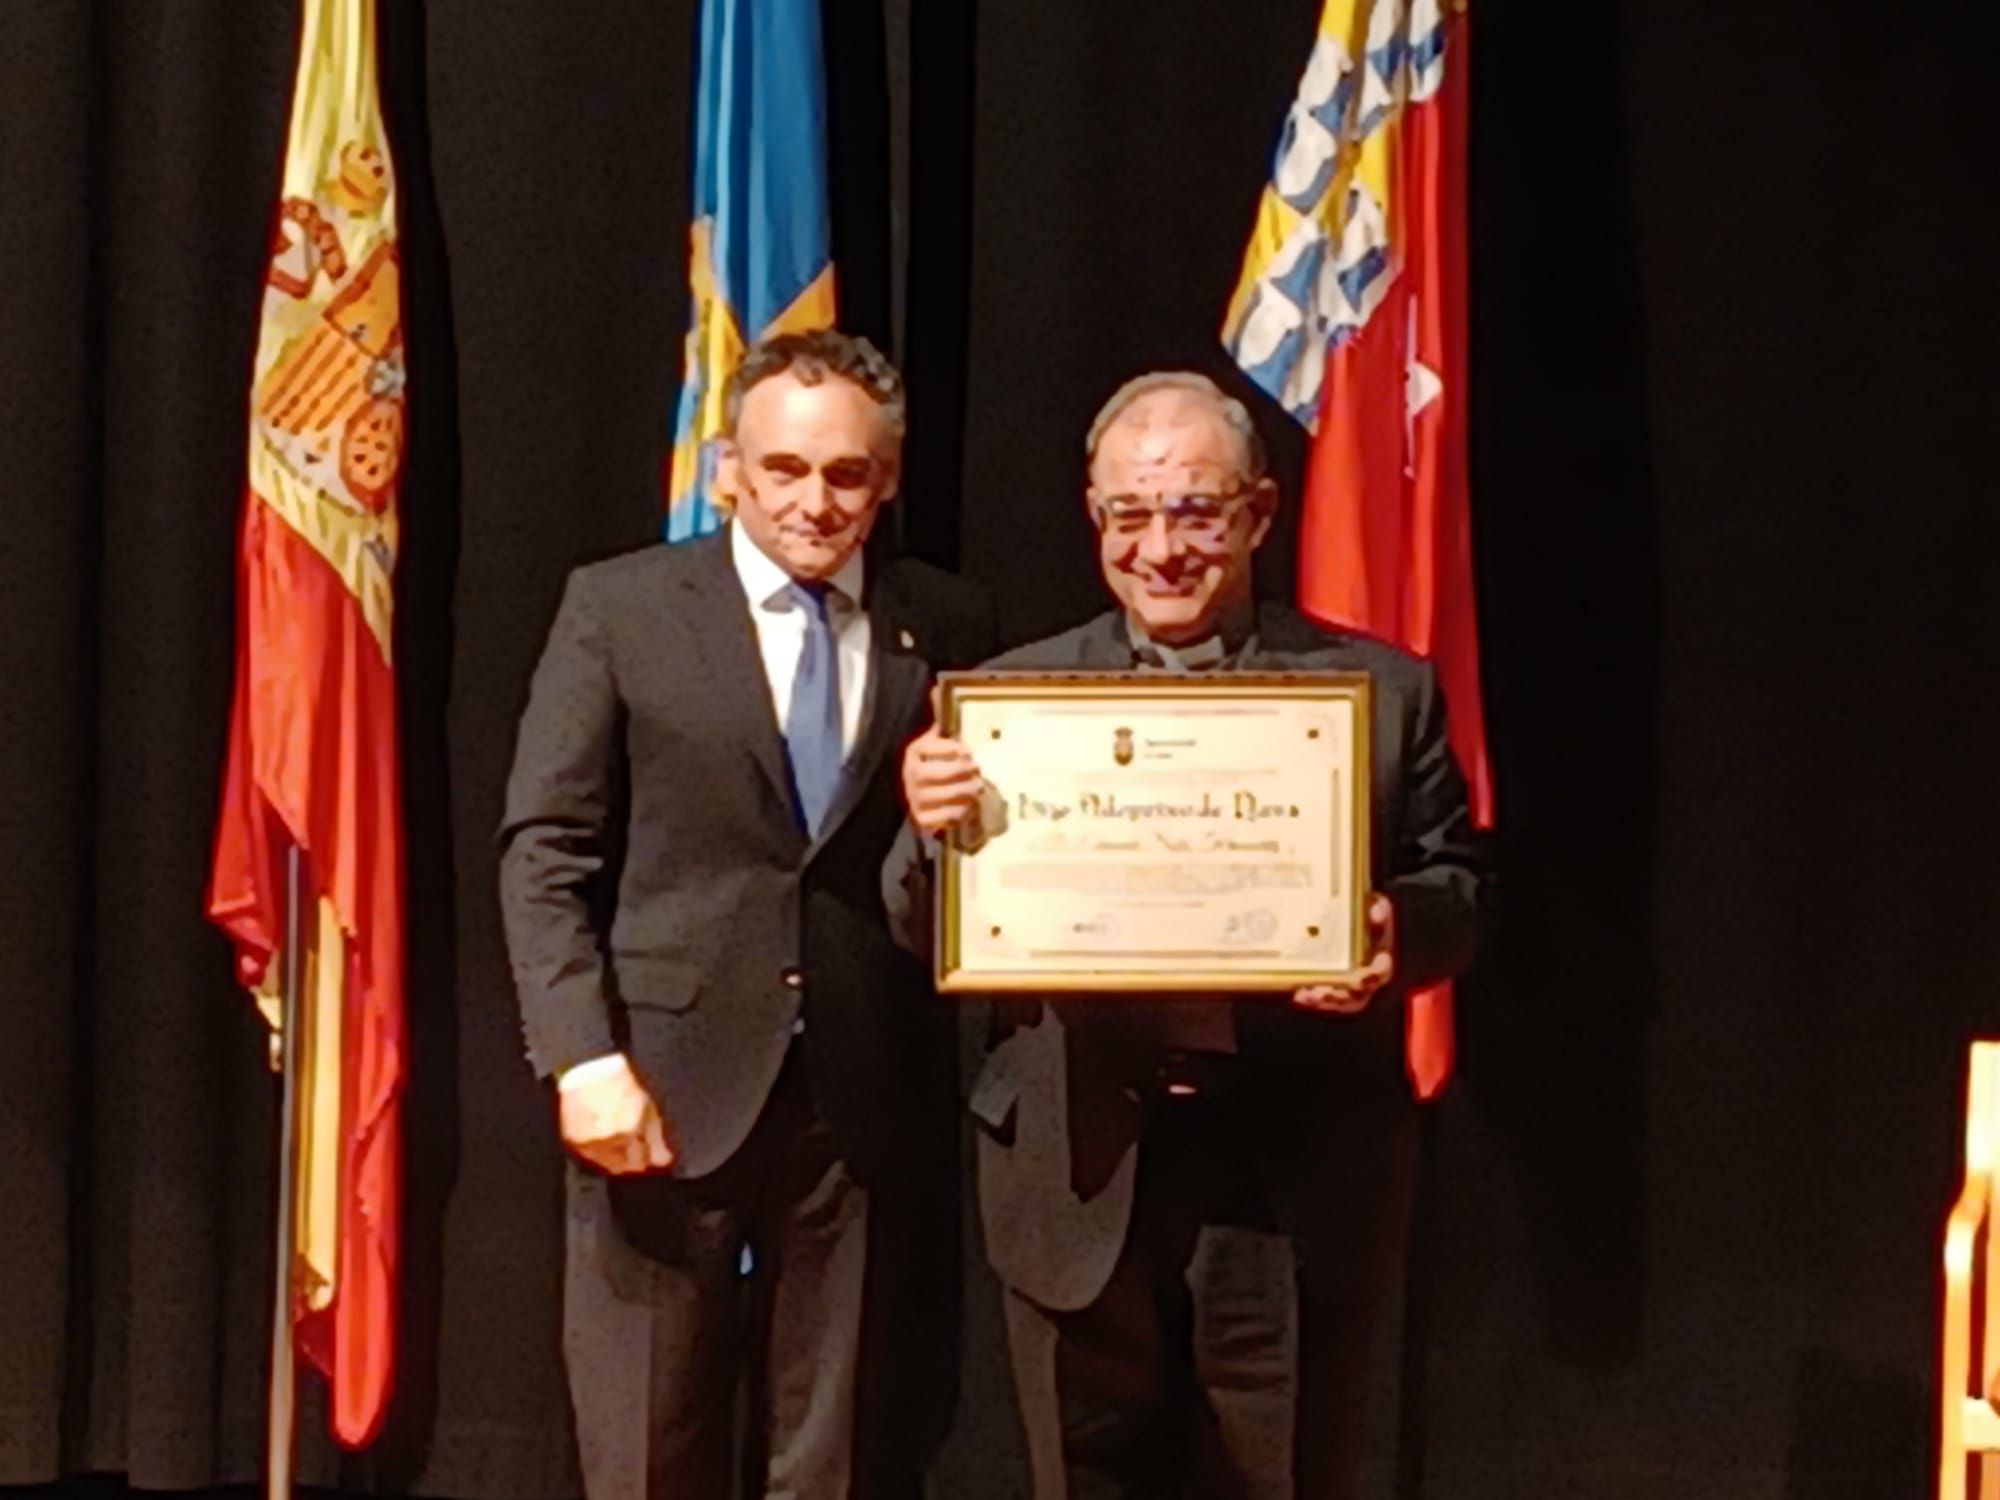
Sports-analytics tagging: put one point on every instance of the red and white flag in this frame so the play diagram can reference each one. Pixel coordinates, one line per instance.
(1351, 313)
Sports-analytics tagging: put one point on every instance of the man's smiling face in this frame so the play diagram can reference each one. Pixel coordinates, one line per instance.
(807, 469)
(1177, 512)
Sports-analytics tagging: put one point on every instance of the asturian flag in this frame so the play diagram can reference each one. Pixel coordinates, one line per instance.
(1351, 313)
(312, 732)
(760, 258)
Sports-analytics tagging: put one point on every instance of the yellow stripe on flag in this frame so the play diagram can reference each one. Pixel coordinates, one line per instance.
(715, 348)
(316, 1167)
(1276, 220)
(812, 309)
(317, 1227)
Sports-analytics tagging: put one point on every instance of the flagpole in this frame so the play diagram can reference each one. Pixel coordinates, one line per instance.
(282, 1411)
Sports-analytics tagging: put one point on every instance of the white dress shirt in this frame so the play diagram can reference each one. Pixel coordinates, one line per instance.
(780, 622)
(781, 630)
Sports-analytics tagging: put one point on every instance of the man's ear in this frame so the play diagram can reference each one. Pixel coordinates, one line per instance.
(728, 469)
(1263, 509)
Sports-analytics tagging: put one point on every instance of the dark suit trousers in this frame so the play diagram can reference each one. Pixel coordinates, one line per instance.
(691, 1304)
(1229, 1355)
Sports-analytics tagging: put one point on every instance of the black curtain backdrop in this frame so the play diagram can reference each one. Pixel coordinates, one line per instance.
(1678, 1232)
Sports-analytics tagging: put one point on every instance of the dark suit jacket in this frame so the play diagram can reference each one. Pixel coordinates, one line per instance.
(1061, 1095)
(658, 892)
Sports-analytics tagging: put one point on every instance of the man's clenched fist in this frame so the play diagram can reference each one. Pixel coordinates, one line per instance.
(610, 1120)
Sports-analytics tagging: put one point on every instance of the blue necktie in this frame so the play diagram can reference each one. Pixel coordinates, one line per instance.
(812, 725)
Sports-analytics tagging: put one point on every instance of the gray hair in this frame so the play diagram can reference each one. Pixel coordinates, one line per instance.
(810, 358)
(1235, 415)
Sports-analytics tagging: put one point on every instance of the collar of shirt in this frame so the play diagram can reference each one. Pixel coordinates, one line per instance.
(1233, 639)
(768, 586)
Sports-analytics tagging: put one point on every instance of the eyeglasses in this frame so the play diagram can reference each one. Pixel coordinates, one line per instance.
(1195, 517)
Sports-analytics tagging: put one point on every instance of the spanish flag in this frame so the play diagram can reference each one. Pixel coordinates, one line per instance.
(760, 254)
(1351, 313)
(312, 734)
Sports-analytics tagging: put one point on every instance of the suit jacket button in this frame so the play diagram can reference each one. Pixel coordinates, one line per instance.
(794, 979)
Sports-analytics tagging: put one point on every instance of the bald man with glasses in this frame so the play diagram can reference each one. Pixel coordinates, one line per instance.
(1196, 1207)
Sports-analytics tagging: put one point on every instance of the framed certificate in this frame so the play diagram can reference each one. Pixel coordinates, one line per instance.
(1158, 833)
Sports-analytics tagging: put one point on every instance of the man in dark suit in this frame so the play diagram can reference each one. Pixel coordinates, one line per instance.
(755, 1081)
(1196, 1207)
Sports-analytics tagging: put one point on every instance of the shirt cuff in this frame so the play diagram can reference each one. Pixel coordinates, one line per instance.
(591, 1071)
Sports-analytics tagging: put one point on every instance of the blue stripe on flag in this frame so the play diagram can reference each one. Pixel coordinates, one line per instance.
(760, 163)
(760, 190)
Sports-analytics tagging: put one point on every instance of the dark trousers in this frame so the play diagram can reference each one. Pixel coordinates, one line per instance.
(1229, 1354)
(691, 1305)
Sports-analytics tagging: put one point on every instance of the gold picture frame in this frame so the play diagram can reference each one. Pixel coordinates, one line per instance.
(1244, 828)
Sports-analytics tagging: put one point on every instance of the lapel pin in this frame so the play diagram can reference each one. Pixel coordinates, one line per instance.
(907, 641)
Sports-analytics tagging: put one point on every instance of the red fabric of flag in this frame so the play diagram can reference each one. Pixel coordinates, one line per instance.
(312, 761)
(1385, 542)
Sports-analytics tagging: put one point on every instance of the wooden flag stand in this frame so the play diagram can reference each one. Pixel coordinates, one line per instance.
(281, 1431)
